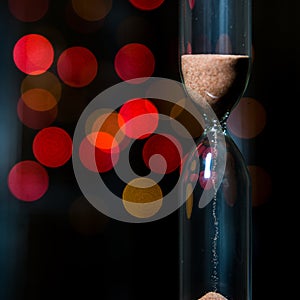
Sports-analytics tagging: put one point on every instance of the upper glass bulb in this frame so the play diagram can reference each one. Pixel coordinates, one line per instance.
(215, 51)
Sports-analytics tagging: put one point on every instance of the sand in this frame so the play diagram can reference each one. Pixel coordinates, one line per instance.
(212, 296)
(218, 79)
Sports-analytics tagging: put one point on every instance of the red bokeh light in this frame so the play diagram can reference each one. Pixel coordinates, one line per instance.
(33, 54)
(52, 146)
(192, 3)
(166, 146)
(134, 61)
(99, 152)
(77, 66)
(35, 119)
(140, 118)
(28, 180)
(28, 10)
(146, 4)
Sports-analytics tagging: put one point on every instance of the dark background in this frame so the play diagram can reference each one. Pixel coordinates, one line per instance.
(43, 257)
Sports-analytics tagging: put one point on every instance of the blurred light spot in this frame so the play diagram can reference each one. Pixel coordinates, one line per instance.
(86, 219)
(142, 197)
(189, 48)
(207, 183)
(28, 10)
(105, 142)
(192, 3)
(193, 165)
(33, 54)
(140, 117)
(167, 153)
(77, 66)
(146, 4)
(35, 119)
(190, 199)
(52, 147)
(97, 155)
(92, 10)
(46, 81)
(224, 45)
(261, 185)
(109, 121)
(39, 99)
(247, 119)
(201, 148)
(134, 61)
(28, 180)
(79, 24)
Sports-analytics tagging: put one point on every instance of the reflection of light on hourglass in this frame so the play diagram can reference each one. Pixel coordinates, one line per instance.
(207, 172)
(28, 10)
(247, 119)
(133, 61)
(192, 3)
(33, 54)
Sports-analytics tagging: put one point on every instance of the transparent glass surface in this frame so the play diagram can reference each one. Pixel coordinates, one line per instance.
(215, 233)
(215, 239)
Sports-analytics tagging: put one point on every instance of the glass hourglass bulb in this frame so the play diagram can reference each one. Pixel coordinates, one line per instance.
(215, 233)
(215, 50)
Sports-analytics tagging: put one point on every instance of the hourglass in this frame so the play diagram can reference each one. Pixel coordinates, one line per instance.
(215, 234)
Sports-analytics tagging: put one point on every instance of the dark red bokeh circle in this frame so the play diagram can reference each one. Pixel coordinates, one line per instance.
(28, 10)
(166, 146)
(77, 66)
(52, 146)
(146, 4)
(134, 61)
